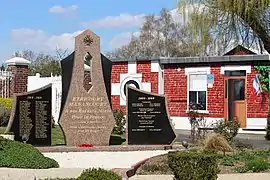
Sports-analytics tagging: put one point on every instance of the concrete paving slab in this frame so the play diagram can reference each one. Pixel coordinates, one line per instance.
(37, 174)
(106, 160)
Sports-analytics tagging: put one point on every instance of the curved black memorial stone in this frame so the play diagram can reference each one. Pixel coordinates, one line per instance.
(148, 119)
(30, 119)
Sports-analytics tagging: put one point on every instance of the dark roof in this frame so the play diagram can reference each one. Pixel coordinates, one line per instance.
(239, 50)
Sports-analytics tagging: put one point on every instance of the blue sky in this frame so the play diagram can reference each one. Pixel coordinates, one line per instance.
(42, 26)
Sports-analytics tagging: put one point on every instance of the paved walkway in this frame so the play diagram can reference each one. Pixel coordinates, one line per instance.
(33, 174)
(30, 174)
(255, 176)
(107, 160)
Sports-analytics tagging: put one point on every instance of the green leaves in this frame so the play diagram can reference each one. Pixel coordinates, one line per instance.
(98, 174)
(193, 165)
(263, 76)
(14, 154)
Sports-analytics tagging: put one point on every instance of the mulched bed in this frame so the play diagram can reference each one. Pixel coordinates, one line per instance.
(228, 164)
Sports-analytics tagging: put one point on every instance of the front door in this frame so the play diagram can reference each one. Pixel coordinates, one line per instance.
(235, 99)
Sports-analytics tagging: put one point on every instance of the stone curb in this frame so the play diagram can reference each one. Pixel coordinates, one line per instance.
(120, 148)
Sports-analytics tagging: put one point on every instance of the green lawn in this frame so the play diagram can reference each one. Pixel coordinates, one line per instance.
(2, 130)
(58, 137)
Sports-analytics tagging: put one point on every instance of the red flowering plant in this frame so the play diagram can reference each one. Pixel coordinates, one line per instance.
(85, 145)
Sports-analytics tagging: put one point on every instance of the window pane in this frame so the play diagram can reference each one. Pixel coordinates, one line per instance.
(239, 89)
(192, 97)
(235, 73)
(202, 99)
(198, 82)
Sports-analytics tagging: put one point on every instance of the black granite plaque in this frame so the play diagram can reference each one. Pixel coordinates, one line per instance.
(148, 120)
(31, 117)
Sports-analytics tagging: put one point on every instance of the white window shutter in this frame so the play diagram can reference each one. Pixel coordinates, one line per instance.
(197, 82)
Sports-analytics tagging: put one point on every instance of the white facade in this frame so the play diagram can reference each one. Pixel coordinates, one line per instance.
(35, 82)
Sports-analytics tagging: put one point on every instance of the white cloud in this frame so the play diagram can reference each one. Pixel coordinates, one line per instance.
(38, 40)
(121, 21)
(122, 39)
(57, 9)
(136, 21)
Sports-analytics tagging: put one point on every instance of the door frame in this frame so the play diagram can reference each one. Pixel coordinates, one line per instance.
(226, 111)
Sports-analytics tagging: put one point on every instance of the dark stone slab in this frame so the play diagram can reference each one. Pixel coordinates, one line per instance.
(30, 119)
(148, 119)
(86, 116)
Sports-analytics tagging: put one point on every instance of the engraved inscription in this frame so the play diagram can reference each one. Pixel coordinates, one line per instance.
(41, 118)
(148, 121)
(89, 119)
(146, 112)
(26, 123)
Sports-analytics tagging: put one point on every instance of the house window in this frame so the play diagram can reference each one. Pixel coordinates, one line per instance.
(198, 90)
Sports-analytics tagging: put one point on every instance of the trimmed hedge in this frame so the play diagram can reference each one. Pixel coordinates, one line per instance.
(193, 165)
(15, 154)
(98, 174)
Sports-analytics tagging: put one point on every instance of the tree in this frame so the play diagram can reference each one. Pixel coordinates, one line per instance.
(44, 64)
(160, 36)
(239, 21)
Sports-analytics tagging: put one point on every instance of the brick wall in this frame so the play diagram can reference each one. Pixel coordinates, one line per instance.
(175, 88)
(215, 95)
(117, 69)
(144, 67)
(19, 80)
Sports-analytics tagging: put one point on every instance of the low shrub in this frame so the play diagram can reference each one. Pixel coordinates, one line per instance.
(258, 164)
(120, 122)
(217, 142)
(5, 110)
(228, 129)
(98, 174)
(193, 165)
(15, 154)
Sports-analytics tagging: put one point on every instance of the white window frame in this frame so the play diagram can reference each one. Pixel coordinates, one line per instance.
(206, 98)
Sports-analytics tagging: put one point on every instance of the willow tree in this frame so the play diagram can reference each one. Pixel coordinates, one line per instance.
(245, 22)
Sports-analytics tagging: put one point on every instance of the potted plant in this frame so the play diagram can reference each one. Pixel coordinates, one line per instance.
(8, 135)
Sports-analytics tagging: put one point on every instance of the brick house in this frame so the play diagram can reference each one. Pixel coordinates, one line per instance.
(223, 85)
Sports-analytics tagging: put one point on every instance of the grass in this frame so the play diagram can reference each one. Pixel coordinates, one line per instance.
(2, 130)
(58, 137)
(247, 161)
